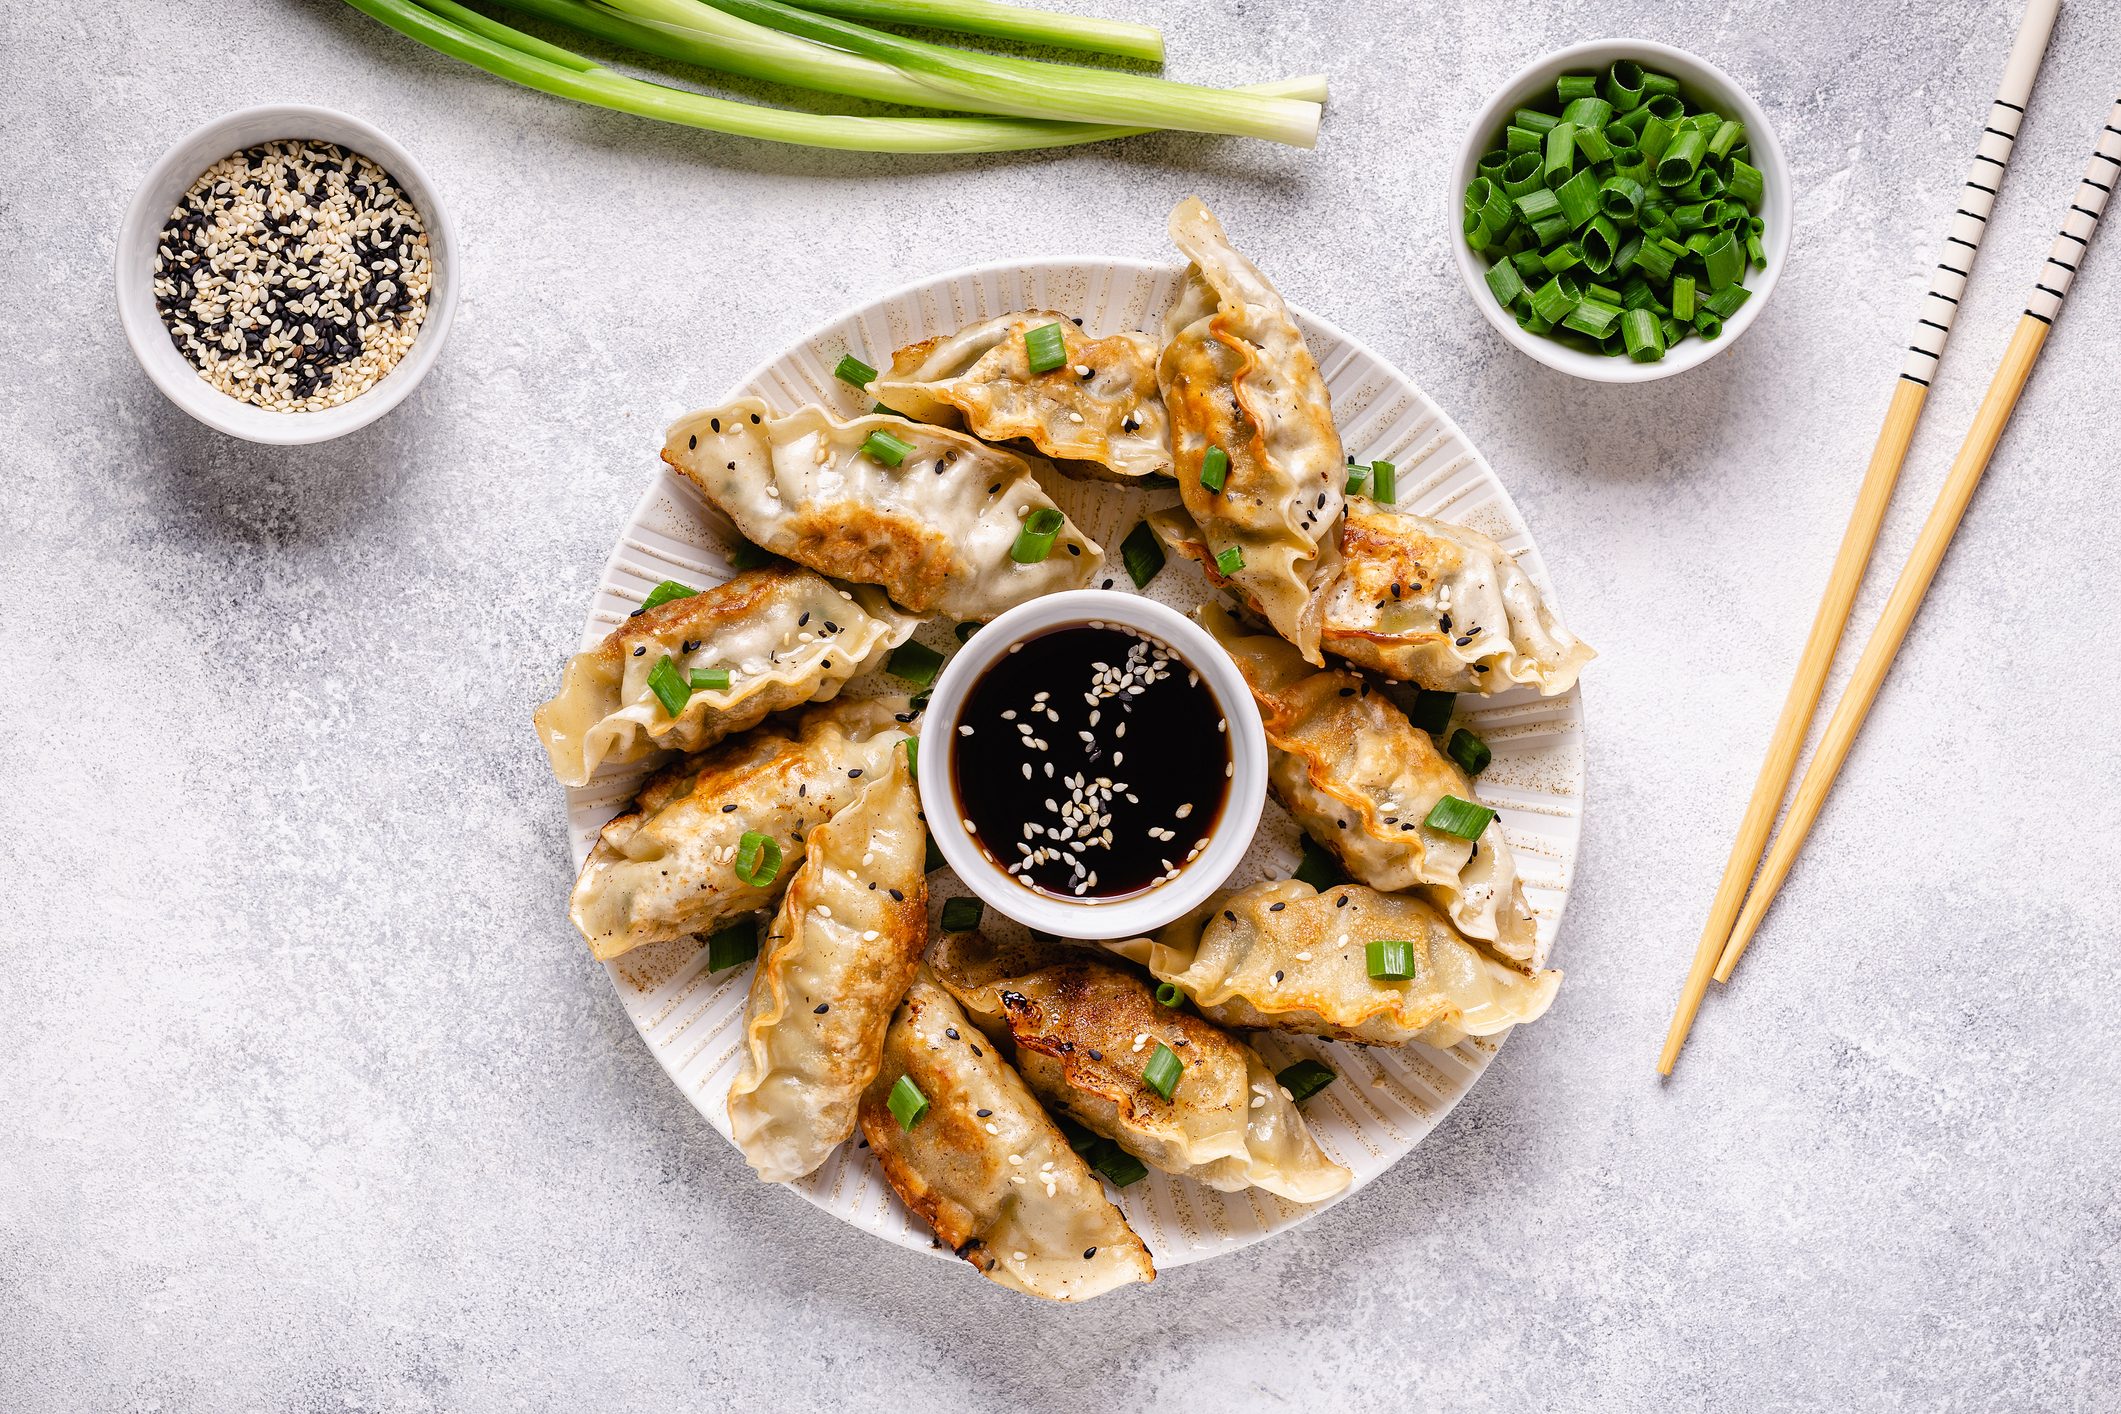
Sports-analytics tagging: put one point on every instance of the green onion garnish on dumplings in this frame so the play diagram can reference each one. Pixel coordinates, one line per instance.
(663, 593)
(758, 859)
(1461, 819)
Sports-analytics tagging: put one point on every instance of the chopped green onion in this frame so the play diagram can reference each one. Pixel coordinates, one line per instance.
(1035, 540)
(1171, 995)
(1506, 283)
(1601, 243)
(1641, 335)
(1682, 296)
(1305, 1078)
(1390, 959)
(1725, 302)
(964, 631)
(879, 410)
(1318, 868)
(746, 556)
(1656, 84)
(1745, 184)
(852, 370)
(962, 915)
(1214, 468)
(1431, 711)
(1163, 1070)
(1707, 325)
(1724, 261)
(1522, 175)
(1680, 159)
(1553, 300)
(1657, 258)
(1117, 1165)
(738, 943)
(907, 1103)
(1469, 751)
(1143, 555)
(1570, 87)
(1230, 561)
(915, 662)
(1623, 85)
(669, 685)
(1578, 197)
(1384, 482)
(1561, 152)
(890, 450)
(1046, 348)
(663, 593)
(1533, 120)
(913, 756)
(709, 680)
(1620, 197)
(758, 859)
(934, 858)
(1462, 819)
(1588, 112)
(1592, 146)
(1519, 141)
(1592, 317)
(1564, 257)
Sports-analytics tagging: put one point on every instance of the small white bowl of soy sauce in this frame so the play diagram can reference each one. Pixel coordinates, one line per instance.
(1092, 765)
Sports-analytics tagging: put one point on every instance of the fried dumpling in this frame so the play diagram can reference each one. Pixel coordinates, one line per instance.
(1079, 1021)
(1426, 602)
(983, 1164)
(1362, 779)
(833, 967)
(667, 867)
(1107, 422)
(935, 532)
(1237, 376)
(1283, 956)
(784, 635)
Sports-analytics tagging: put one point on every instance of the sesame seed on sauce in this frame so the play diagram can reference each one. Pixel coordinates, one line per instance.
(1085, 830)
(294, 275)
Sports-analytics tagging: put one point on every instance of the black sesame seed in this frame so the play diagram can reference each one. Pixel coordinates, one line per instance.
(727, 808)
(983, 1114)
(821, 1008)
(639, 651)
(951, 1032)
(1276, 907)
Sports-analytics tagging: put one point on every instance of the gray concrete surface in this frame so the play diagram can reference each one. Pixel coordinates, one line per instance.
(310, 1099)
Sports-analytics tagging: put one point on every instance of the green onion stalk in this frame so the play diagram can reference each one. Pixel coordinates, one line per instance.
(1027, 26)
(1026, 87)
(748, 49)
(451, 29)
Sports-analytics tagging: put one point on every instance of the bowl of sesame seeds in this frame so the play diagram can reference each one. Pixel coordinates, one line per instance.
(285, 274)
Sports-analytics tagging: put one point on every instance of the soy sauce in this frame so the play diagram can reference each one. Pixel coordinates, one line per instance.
(1096, 764)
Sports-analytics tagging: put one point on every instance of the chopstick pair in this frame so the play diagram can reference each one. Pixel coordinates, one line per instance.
(1728, 931)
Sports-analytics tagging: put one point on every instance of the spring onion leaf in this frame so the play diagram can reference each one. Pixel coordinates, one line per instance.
(852, 370)
(907, 1103)
(1305, 1078)
(934, 859)
(1390, 959)
(669, 685)
(709, 680)
(1143, 555)
(758, 859)
(1431, 711)
(746, 556)
(1027, 26)
(1384, 482)
(962, 915)
(1214, 469)
(1358, 478)
(917, 663)
(1469, 751)
(1034, 542)
(1162, 1072)
(663, 593)
(1230, 561)
(1461, 819)
(1170, 994)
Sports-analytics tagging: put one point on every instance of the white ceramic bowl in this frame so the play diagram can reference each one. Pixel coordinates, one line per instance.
(149, 212)
(1700, 82)
(1227, 841)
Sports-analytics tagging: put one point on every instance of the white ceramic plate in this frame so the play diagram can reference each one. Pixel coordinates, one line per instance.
(1386, 1100)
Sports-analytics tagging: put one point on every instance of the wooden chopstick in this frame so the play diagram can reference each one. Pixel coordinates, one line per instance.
(1932, 327)
(2082, 218)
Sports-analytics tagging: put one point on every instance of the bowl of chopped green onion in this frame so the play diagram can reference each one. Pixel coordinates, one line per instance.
(1624, 210)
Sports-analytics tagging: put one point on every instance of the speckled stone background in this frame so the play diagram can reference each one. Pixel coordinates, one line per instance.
(311, 1099)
